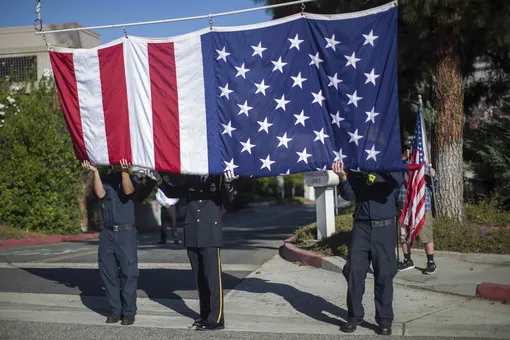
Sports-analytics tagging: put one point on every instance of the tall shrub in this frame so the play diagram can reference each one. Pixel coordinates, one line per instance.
(41, 182)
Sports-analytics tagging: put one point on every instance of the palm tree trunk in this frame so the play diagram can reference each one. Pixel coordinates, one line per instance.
(449, 121)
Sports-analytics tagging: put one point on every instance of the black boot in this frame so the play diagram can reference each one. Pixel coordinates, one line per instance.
(113, 318)
(128, 320)
(351, 325)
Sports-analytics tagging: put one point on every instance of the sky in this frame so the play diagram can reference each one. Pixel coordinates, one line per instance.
(107, 12)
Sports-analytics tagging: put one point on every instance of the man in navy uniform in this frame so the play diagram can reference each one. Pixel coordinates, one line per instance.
(373, 240)
(205, 197)
(117, 252)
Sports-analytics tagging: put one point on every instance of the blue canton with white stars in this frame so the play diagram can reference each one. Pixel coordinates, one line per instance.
(299, 95)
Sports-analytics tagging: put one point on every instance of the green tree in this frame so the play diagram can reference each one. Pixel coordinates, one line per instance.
(439, 43)
(41, 182)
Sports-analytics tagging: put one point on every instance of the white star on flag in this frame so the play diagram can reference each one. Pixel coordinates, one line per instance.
(262, 87)
(247, 146)
(284, 140)
(336, 119)
(295, 42)
(287, 173)
(352, 60)
(353, 98)
(264, 125)
(266, 163)
(244, 108)
(318, 98)
(298, 81)
(371, 115)
(315, 60)
(222, 54)
(228, 129)
(225, 91)
(334, 81)
(369, 38)
(281, 103)
(258, 49)
(372, 153)
(230, 165)
(332, 42)
(354, 137)
(371, 77)
(320, 135)
(303, 156)
(241, 71)
(300, 118)
(339, 156)
(278, 65)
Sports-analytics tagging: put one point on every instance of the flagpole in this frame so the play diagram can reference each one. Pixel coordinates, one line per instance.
(420, 101)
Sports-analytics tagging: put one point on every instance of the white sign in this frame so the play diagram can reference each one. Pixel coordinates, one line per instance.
(322, 178)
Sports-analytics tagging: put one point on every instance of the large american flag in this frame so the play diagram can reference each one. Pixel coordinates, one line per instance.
(413, 212)
(287, 96)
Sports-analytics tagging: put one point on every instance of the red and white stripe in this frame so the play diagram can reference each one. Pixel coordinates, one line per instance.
(136, 99)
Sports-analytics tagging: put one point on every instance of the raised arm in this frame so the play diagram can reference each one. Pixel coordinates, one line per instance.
(97, 183)
(346, 192)
(127, 184)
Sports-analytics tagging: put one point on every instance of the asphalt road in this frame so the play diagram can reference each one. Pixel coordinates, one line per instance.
(251, 238)
(13, 330)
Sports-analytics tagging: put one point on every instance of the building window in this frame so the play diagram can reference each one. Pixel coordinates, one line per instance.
(17, 69)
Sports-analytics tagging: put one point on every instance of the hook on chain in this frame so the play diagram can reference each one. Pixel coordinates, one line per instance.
(210, 22)
(125, 31)
(303, 9)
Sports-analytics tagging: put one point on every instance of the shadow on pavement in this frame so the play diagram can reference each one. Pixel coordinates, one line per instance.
(308, 304)
(159, 285)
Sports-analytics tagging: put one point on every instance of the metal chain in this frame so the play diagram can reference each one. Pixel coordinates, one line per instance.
(38, 21)
(38, 24)
(303, 9)
(125, 31)
(210, 22)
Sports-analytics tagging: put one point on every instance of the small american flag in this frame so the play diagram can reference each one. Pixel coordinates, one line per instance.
(288, 96)
(413, 212)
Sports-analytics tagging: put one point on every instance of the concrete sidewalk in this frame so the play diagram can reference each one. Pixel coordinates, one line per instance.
(456, 273)
(281, 297)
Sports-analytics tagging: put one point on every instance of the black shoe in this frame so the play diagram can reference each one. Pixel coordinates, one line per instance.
(210, 327)
(177, 241)
(431, 268)
(128, 320)
(198, 323)
(113, 319)
(405, 265)
(351, 325)
(385, 330)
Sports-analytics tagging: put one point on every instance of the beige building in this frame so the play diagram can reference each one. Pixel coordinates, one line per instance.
(24, 55)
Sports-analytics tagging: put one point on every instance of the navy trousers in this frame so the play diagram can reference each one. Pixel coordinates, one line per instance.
(118, 267)
(375, 244)
(206, 266)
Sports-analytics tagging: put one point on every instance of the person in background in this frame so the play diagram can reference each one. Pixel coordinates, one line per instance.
(168, 216)
(117, 252)
(203, 236)
(373, 240)
(426, 233)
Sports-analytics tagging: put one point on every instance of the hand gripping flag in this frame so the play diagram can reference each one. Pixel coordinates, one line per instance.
(287, 96)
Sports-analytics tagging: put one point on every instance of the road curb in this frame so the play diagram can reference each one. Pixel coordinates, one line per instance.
(293, 254)
(493, 291)
(64, 238)
(49, 239)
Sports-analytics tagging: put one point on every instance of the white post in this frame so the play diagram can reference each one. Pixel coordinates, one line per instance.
(325, 209)
(323, 183)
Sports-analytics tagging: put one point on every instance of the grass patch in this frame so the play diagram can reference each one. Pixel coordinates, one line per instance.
(9, 233)
(336, 244)
(486, 230)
